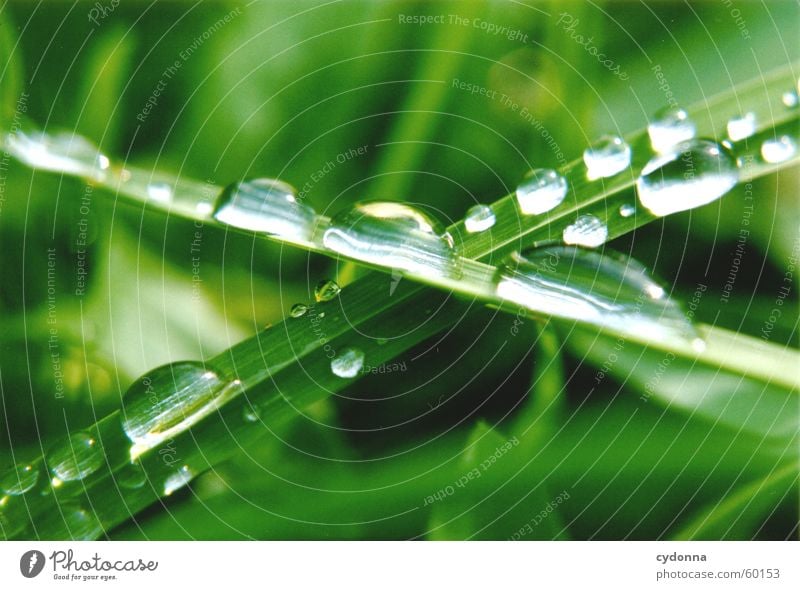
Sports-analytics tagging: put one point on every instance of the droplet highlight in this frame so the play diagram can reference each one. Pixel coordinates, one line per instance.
(588, 231)
(326, 291)
(670, 126)
(74, 458)
(692, 174)
(627, 210)
(347, 363)
(479, 218)
(540, 191)
(18, 480)
(178, 480)
(779, 149)
(790, 99)
(741, 127)
(607, 157)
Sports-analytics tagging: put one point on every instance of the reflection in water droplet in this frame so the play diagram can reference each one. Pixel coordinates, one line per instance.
(692, 174)
(159, 192)
(540, 191)
(19, 479)
(608, 156)
(392, 235)
(741, 127)
(170, 399)
(671, 126)
(132, 476)
(268, 206)
(790, 99)
(251, 413)
(326, 290)
(74, 458)
(627, 210)
(298, 310)
(778, 149)
(479, 218)
(80, 524)
(177, 480)
(347, 363)
(581, 284)
(587, 231)
(59, 152)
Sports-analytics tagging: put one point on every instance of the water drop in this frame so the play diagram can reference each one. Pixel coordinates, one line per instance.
(778, 149)
(671, 126)
(19, 479)
(479, 218)
(393, 235)
(587, 231)
(159, 192)
(170, 399)
(177, 480)
(298, 310)
(326, 290)
(251, 413)
(627, 210)
(268, 206)
(790, 99)
(540, 191)
(347, 363)
(132, 476)
(575, 283)
(60, 152)
(742, 127)
(692, 174)
(74, 458)
(80, 524)
(607, 157)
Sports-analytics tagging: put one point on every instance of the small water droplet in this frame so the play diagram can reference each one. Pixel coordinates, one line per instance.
(778, 149)
(587, 231)
(671, 126)
(177, 480)
(393, 235)
(298, 310)
(627, 210)
(74, 458)
(326, 291)
(170, 399)
(790, 99)
(347, 363)
(159, 192)
(580, 284)
(80, 524)
(479, 218)
(251, 413)
(268, 206)
(132, 476)
(607, 157)
(692, 174)
(742, 127)
(540, 191)
(18, 480)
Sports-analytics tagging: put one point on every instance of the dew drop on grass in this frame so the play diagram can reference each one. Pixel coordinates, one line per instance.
(326, 291)
(19, 479)
(692, 174)
(780, 149)
(580, 284)
(790, 99)
(479, 218)
(587, 231)
(670, 126)
(159, 192)
(741, 127)
(627, 210)
(540, 191)
(74, 458)
(607, 157)
(298, 310)
(251, 413)
(177, 480)
(347, 363)
(393, 235)
(132, 476)
(79, 523)
(267, 206)
(60, 152)
(170, 399)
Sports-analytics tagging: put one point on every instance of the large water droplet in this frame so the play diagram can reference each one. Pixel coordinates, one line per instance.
(585, 285)
(741, 127)
(392, 235)
(671, 126)
(608, 156)
(298, 310)
(170, 399)
(778, 149)
(587, 231)
(268, 206)
(692, 174)
(74, 458)
(479, 218)
(59, 152)
(19, 479)
(326, 291)
(347, 363)
(177, 480)
(540, 191)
